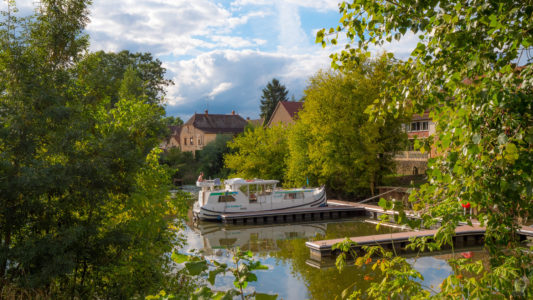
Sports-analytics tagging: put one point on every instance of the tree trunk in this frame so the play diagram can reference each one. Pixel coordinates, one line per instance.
(3, 263)
(372, 184)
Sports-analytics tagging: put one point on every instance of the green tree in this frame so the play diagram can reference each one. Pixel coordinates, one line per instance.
(465, 64)
(173, 121)
(181, 164)
(107, 75)
(211, 157)
(334, 142)
(273, 93)
(259, 153)
(82, 195)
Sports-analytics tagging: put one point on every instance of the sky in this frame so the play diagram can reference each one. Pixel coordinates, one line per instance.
(220, 54)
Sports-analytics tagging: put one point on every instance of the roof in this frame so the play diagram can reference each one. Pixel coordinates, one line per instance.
(256, 122)
(174, 132)
(292, 107)
(418, 117)
(241, 181)
(216, 123)
(174, 129)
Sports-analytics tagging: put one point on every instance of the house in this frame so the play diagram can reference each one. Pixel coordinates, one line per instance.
(286, 112)
(201, 129)
(173, 141)
(411, 162)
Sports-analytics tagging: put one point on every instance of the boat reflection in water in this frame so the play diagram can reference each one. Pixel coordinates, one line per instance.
(290, 274)
(255, 238)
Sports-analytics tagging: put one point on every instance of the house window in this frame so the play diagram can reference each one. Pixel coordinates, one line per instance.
(184, 141)
(199, 141)
(418, 126)
(192, 140)
(226, 198)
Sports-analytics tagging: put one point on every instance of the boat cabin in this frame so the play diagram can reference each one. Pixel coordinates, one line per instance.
(251, 189)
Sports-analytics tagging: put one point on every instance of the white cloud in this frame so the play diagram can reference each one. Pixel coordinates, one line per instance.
(401, 48)
(226, 80)
(320, 5)
(219, 55)
(291, 37)
(165, 27)
(224, 86)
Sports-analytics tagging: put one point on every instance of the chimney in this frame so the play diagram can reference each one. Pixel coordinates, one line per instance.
(206, 111)
(232, 112)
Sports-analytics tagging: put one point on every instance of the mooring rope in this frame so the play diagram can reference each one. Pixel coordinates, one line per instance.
(374, 197)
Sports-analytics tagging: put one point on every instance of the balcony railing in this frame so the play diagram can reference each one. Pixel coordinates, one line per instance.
(412, 155)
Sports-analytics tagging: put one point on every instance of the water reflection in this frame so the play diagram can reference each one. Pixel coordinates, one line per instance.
(282, 248)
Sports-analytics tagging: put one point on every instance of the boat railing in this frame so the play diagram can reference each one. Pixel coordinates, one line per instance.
(208, 183)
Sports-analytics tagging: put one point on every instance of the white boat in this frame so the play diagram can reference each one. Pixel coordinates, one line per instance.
(246, 196)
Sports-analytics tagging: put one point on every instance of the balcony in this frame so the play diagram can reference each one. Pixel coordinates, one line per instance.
(411, 155)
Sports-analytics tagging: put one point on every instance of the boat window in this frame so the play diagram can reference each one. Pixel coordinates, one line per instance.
(253, 190)
(244, 189)
(261, 190)
(295, 195)
(269, 188)
(226, 198)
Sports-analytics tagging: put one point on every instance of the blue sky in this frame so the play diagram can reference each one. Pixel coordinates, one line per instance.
(220, 54)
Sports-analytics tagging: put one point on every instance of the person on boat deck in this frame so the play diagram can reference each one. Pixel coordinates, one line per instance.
(201, 177)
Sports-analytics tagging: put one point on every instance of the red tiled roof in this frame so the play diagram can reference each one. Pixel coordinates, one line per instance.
(292, 107)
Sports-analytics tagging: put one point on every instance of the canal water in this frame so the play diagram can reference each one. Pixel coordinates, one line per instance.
(291, 273)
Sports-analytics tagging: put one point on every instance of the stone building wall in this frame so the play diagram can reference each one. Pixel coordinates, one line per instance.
(411, 167)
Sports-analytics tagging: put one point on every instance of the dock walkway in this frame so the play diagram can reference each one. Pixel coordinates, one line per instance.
(465, 235)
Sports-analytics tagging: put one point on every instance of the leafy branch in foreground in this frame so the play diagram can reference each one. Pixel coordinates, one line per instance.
(472, 70)
(198, 267)
(398, 278)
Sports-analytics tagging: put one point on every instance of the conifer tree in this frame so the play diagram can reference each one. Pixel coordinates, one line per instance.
(273, 93)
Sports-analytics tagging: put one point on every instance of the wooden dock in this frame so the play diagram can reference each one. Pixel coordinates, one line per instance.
(329, 262)
(294, 215)
(464, 236)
